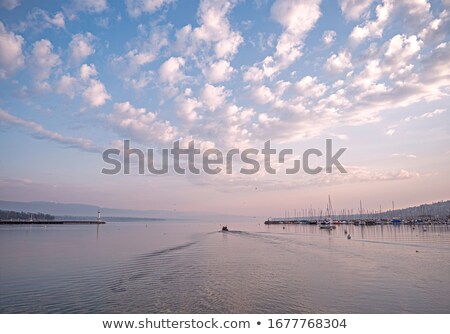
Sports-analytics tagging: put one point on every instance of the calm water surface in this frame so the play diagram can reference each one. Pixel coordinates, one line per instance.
(190, 267)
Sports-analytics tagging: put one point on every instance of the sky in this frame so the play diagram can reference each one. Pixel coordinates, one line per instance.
(79, 77)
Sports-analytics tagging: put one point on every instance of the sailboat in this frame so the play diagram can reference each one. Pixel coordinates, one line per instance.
(328, 222)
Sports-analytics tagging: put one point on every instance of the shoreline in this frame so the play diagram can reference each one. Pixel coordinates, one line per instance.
(52, 222)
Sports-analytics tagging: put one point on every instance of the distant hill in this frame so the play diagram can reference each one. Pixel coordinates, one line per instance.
(439, 209)
(86, 210)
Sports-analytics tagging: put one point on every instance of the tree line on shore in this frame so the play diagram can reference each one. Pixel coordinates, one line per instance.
(14, 215)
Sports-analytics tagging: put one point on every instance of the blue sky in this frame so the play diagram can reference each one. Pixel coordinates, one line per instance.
(78, 77)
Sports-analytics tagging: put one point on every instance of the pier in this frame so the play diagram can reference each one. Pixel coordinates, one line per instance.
(51, 222)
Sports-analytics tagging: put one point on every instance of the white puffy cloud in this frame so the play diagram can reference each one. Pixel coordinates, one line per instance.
(43, 59)
(340, 62)
(253, 73)
(67, 85)
(87, 71)
(219, 71)
(81, 47)
(95, 95)
(186, 107)
(310, 87)
(140, 124)
(57, 20)
(401, 49)
(213, 96)
(374, 28)
(171, 70)
(297, 19)
(262, 95)
(11, 56)
(214, 31)
(137, 58)
(138, 7)
(329, 37)
(86, 83)
(415, 12)
(228, 46)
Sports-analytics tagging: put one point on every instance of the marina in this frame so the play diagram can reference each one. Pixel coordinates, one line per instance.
(427, 214)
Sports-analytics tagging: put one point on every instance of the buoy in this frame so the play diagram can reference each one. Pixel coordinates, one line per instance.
(345, 232)
(349, 237)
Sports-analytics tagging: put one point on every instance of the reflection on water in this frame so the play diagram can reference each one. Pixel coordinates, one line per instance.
(191, 267)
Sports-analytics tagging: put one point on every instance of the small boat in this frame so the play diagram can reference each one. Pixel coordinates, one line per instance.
(224, 229)
(327, 226)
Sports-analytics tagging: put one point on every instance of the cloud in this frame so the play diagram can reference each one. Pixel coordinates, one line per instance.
(353, 9)
(171, 70)
(39, 19)
(328, 37)
(140, 124)
(374, 28)
(340, 136)
(213, 96)
(433, 113)
(43, 59)
(9, 4)
(339, 63)
(429, 114)
(187, 106)
(67, 85)
(215, 28)
(297, 19)
(137, 7)
(310, 87)
(95, 95)
(11, 56)
(403, 155)
(87, 71)
(253, 73)
(219, 71)
(81, 47)
(390, 132)
(262, 95)
(86, 84)
(38, 131)
(417, 13)
(262, 180)
(214, 38)
(89, 6)
(144, 50)
(401, 49)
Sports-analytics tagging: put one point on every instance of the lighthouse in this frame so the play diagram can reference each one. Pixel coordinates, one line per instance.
(98, 216)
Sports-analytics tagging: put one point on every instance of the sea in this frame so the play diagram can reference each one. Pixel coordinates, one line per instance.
(185, 266)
